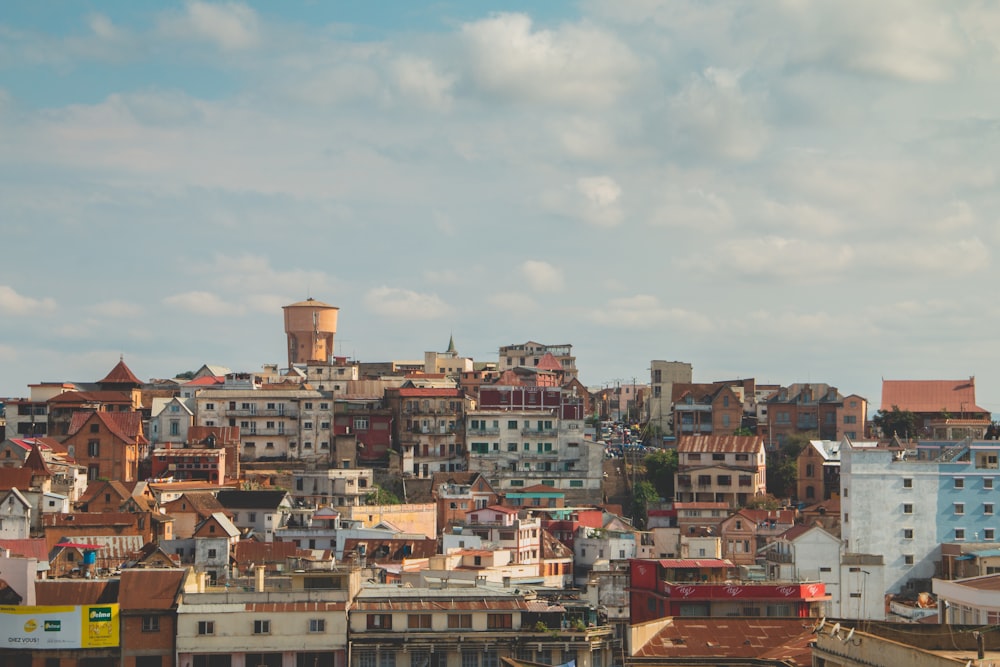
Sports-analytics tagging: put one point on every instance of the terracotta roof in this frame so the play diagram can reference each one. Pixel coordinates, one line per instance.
(201, 502)
(261, 553)
(36, 463)
(120, 374)
(126, 426)
(30, 548)
(733, 638)
(740, 444)
(206, 381)
(498, 508)
(508, 379)
(392, 550)
(142, 589)
(11, 478)
(548, 362)
(49, 592)
(80, 397)
(310, 302)
(97, 487)
(553, 548)
(955, 396)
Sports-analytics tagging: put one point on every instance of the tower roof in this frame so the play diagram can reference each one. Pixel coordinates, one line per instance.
(309, 302)
(451, 345)
(121, 374)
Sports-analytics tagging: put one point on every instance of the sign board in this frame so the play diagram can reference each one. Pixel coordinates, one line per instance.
(63, 627)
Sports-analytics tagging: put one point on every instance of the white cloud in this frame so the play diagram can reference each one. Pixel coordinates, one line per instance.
(15, 304)
(959, 256)
(592, 199)
(230, 26)
(203, 303)
(542, 276)
(778, 257)
(573, 64)
(644, 311)
(693, 208)
(712, 113)
(418, 79)
(118, 309)
(405, 304)
(514, 304)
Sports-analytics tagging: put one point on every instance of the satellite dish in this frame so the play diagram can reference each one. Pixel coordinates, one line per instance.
(835, 630)
(849, 636)
(820, 625)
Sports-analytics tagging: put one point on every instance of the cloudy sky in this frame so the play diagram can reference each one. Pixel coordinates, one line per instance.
(789, 190)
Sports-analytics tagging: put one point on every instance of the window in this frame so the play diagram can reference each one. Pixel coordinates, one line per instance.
(93, 448)
(307, 426)
(907, 508)
(907, 533)
(907, 559)
(497, 621)
(907, 483)
(987, 508)
(380, 621)
(511, 446)
(206, 627)
(459, 620)
(959, 482)
(252, 516)
(212, 553)
(512, 425)
(317, 625)
(95, 428)
(262, 627)
(960, 533)
(361, 423)
(150, 623)
(987, 482)
(308, 405)
(470, 659)
(989, 534)
(850, 419)
(959, 508)
(418, 621)
(210, 406)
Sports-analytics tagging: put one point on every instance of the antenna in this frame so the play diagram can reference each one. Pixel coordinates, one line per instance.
(835, 630)
(849, 636)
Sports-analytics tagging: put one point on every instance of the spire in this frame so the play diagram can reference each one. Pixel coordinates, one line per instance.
(451, 345)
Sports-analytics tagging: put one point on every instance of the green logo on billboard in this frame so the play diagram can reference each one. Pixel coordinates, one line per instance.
(100, 614)
(52, 626)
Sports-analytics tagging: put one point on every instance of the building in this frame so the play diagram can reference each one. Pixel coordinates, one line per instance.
(457, 494)
(803, 408)
(706, 409)
(662, 376)
(530, 354)
(147, 601)
(818, 471)
(335, 487)
(447, 363)
(108, 444)
(259, 512)
(722, 469)
(429, 428)
(945, 409)
(310, 327)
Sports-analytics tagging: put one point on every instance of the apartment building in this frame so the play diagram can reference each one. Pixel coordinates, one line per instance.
(275, 424)
(706, 409)
(530, 354)
(429, 427)
(803, 408)
(662, 377)
(720, 469)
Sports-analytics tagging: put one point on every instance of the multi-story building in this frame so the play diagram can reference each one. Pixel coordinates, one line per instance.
(522, 436)
(662, 377)
(303, 625)
(170, 419)
(727, 469)
(706, 587)
(818, 471)
(706, 409)
(394, 626)
(531, 353)
(457, 494)
(803, 408)
(429, 427)
(904, 502)
(508, 528)
(852, 418)
(447, 363)
(275, 424)
(335, 487)
(945, 409)
(108, 444)
(30, 416)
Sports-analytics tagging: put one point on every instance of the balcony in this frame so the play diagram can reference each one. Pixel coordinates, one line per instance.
(777, 557)
(290, 414)
(473, 432)
(540, 433)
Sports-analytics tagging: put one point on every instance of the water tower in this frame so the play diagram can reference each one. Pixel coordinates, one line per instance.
(310, 326)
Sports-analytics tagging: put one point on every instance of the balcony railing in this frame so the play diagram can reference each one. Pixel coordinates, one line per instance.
(243, 412)
(484, 431)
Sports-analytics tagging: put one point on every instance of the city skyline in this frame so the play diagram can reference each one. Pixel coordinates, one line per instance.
(786, 191)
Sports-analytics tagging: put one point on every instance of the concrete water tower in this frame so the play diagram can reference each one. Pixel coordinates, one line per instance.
(310, 326)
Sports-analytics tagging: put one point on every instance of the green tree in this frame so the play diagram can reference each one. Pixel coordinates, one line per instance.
(380, 496)
(783, 465)
(743, 430)
(643, 494)
(765, 502)
(661, 466)
(902, 423)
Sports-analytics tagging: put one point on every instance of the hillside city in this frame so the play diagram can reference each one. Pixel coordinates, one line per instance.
(455, 512)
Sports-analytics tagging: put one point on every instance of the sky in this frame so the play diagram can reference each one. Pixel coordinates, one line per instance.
(787, 190)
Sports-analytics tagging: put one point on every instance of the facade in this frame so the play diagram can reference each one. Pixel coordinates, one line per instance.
(852, 418)
(203, 464)
(147, 600)
(706, 409)
(807, 553)
(803, 408)
(304, 625)
(335, 487)
(457, 494)
(726, 469)
(530, 354)
(261, 512)
(473, 627)
(748, 531)
(818, 471)
(522, 436)
(275, 424)
(108, 444)
(429, 429)
(508, 528)
(662, 377)
(447, 363)
(170, 420)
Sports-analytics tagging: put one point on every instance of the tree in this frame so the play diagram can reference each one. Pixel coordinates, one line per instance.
(783, 465)
(743, 430)
(661, 466)
(642, 495)
(380, 496)
(896, 422)
(765, 502)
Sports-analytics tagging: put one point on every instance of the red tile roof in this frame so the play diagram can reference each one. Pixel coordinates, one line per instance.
(121, 374)
(931, 396)
(31, 548)
(548, 362)
(126, 426)
(741, 444)
(19, 478)
(206, 381)
(733, 638)
(149, 589)
(81, 397)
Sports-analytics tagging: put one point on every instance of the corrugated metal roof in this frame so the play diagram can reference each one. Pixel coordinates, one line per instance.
(779, 638)
(738, 444)
(149, 589)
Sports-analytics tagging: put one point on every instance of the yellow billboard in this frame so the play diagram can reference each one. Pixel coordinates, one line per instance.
(60, 627)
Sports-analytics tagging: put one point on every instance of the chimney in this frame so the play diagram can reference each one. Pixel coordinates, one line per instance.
(258, 579)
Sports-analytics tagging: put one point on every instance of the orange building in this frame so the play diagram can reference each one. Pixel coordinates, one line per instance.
(108, 444)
